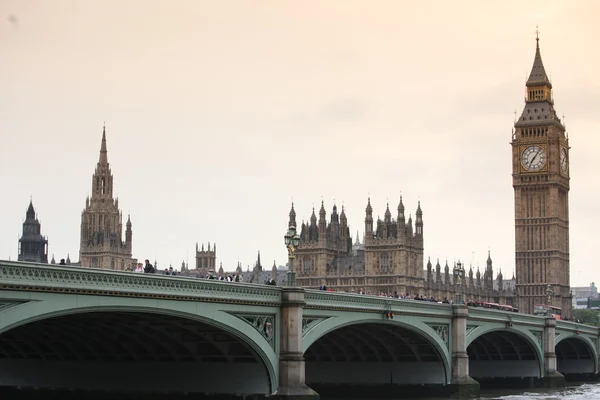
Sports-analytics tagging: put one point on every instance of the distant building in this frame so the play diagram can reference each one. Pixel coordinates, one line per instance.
(32, 245)
(585, 291)
(389, 260)
(101, 244)
(206, 260)
(583, 294)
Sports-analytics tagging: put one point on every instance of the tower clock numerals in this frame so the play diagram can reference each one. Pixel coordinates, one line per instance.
(533, 158)
(564, 162)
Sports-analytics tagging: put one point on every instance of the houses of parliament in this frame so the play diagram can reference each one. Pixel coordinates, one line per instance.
(390, 256)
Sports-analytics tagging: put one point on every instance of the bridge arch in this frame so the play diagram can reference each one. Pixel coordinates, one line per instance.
(366, 337)
(575, 355)
(216, 319)
(496, 351)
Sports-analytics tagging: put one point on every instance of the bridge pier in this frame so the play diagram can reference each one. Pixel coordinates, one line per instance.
(552, 378)
(292, 384)
(463, 386)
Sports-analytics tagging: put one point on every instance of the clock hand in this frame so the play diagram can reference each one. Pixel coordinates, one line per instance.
(534, 157)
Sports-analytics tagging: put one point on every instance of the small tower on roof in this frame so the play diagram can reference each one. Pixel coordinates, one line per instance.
(206, 258)
(33, 246)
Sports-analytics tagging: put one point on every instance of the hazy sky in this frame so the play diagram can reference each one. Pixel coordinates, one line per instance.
(219, 113)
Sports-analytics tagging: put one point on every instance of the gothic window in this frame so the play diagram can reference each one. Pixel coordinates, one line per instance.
(103, 185)
(94, 262)
(97, 184)
(384, 262)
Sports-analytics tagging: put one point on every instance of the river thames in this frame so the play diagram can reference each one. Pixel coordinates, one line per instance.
(586, 391)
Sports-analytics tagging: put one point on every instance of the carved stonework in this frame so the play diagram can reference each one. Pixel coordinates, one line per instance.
(442, 331)
(470, 328)
(264, 324)
(309, 322)
(539, 336)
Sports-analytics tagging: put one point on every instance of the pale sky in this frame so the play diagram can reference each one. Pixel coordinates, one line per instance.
(219, 113)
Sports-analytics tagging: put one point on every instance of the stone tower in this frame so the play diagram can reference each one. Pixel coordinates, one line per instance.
(101, 244)
(206, 259)
(540, 155)
(394, 252)
(32, 245)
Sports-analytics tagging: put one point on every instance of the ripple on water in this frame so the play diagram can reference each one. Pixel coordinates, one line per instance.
(581, 392)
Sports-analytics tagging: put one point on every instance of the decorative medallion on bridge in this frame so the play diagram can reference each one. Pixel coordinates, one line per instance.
(309, 322)
(442, 331)
(539, 336)
(264, 324)
(6, 304)
(470, 328)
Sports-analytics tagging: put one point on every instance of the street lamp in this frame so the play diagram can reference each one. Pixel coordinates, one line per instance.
(459, 276)
(292, 240)
(549, 295)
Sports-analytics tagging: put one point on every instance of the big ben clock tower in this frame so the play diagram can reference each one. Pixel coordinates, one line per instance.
(540, 155)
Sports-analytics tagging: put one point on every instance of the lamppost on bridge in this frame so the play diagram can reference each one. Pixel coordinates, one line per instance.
(459, 276)
(549, 294)
(292, 240)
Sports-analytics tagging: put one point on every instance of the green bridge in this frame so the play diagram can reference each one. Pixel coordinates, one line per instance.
(79, 328)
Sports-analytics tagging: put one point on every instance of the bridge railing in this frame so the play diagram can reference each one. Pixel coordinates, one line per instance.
(17, 275)
(339, 301)
(577, 328)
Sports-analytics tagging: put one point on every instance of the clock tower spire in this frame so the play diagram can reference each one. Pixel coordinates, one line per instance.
(540, 164)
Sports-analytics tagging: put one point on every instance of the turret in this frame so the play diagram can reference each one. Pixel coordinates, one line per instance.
(258, 264)
(292, 220)
(322, 221)
(419, 221)
(128, 234)
(369, 219)
(429, 270)
(314, 229)
(401, 217)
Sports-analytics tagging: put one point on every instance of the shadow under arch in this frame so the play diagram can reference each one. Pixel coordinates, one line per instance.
(36, 312)
(375, 351)
(498, 352)
(575, 356)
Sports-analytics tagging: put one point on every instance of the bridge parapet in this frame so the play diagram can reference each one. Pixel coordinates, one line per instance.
(317, 299)
(497, 316)
(75, 280)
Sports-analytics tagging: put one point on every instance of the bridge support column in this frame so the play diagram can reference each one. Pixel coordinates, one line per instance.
(291, 360)
(464, 386)
(552, 378)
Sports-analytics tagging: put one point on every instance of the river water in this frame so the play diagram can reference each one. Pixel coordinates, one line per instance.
(577, 392)
(587, 391)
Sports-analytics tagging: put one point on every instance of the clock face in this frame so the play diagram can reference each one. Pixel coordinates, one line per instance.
(564, 165)
(533, 158)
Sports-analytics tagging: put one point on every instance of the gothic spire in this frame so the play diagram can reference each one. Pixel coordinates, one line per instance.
(538, 76)
(103, 153)
(30, 211)
(292, 221)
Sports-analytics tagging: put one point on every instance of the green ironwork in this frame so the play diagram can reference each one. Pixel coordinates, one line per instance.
(43, 277)
(264, 324)
(30, 292)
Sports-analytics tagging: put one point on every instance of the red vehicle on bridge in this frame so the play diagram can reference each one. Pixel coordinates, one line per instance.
(547, 311)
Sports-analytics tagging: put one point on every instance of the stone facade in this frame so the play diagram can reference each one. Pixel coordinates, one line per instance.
(32, 245)
(101, 244)
(540, 155)
(474, 287)
(390, 259)
(206, 260)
